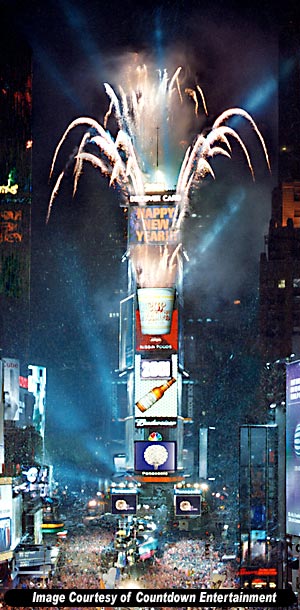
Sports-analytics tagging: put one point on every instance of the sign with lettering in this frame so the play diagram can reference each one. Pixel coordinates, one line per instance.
(153, 224)
(9, 189)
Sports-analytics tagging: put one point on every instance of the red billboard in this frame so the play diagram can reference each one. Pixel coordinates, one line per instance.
(157, 343)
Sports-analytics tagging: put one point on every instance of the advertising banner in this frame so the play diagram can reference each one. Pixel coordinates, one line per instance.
(155, 397)
(5, 534)
(155, 458)
(5, 517)
(157, 343)
(293, 449)
(11, 391)
(37, 385)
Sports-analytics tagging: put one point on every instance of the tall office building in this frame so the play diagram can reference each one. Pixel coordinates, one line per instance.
(289, 99)
(280, 263)
(15, 191)
(280, 276)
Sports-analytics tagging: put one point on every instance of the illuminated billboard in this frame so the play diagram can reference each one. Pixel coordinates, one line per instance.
(11, 391)
(120, 462)
(6, 511)
(17, 510)
(123, 503)
(155, 392)
(155, 458)
(1, 418)
(5, 534)
(37, 385)
(126, 333)
(153, 224)
(11, 225)
(203, 447)
(187, 505)
(293, 449)
(155, 369)
(162, 344)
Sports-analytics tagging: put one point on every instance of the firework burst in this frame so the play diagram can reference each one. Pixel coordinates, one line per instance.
(139, 113)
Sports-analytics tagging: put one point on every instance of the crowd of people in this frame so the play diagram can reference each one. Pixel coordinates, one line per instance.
(85, 561)
(183, 565)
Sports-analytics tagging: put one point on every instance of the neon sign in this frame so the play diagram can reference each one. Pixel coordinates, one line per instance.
(7, 189)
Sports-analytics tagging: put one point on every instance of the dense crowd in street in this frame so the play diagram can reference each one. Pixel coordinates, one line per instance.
(85, 561)
(183, 565)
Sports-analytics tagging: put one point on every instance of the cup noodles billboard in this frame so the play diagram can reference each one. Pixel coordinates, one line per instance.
(293, 449)
(157, 344)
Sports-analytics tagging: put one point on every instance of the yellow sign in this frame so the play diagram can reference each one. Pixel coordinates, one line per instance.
(7, 189)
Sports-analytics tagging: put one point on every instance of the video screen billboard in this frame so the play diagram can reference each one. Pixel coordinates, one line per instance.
(153, 224)
(186, 505)
(155, 458)
(123, 503)
(293, 449)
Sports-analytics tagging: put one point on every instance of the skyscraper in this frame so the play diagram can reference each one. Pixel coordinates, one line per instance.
(280, 263)
(15, 191)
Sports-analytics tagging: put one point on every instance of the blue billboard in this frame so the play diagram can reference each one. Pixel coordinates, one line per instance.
(293, 449)
(155, 457)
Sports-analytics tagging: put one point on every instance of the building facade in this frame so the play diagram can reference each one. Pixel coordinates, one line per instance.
(15, 192)
(259, 546)
(280, 276)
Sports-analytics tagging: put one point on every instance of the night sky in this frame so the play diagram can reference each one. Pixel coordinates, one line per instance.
(231, 52)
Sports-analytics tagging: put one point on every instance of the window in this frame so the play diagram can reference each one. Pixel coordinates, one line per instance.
(281, 283)
(296, 282)
(296, 195)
